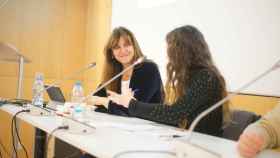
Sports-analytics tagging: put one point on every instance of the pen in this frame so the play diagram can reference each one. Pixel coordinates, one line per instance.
(170, 136)
(176, 136)
(135, 90)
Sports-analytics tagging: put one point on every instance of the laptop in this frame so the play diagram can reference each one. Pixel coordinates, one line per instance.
(56, 96)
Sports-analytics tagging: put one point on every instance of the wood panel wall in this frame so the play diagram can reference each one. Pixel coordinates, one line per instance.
(98, 30)
(51, 33)
(59, 37)
(258, 104)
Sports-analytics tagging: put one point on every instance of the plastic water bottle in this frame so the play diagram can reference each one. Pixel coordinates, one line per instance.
(77, 93)
(77, 100)
(79, 113)
(38, 90)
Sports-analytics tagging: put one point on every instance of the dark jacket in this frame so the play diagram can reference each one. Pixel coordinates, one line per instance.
(145, 81)
(204, 90)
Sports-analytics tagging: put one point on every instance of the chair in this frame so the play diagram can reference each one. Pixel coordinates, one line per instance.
(240, 120)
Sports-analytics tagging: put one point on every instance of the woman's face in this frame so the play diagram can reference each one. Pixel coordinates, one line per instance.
(123, 52)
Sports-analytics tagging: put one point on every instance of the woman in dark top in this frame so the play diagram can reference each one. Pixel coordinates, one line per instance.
(193, 85)
(144, 79)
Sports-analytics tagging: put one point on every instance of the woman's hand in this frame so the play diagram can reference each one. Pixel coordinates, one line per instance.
(98, 101)
(250, 144)
(121, 99)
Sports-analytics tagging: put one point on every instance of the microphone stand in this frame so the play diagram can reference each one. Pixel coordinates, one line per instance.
(83, 127)
(38, 110)
(78, 129)
(42, 111)
(91, 65)
(138, 61)
(189, 149)
(236, 92)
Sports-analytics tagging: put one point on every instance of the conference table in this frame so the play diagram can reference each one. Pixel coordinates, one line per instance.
(109, 136)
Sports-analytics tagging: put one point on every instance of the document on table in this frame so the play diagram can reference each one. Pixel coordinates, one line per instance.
(151, 129)
(124, 126)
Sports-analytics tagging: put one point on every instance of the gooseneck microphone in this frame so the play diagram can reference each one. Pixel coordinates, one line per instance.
(236, 92)
(89, 66)
(40, 111)
(84, 127)
(138, 61)
(37, 110)
(188, 149)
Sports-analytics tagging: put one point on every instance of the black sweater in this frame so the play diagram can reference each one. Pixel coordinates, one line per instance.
(203, 91)
(145, 81)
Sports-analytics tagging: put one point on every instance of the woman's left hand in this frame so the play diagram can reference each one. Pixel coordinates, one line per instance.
(121, 99)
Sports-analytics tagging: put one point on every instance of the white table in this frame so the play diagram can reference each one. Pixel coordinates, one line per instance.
(114, 134)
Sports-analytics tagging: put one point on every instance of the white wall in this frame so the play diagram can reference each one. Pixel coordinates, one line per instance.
(243, 35)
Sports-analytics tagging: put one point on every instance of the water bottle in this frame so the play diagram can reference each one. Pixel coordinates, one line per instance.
(79, 113)
(38, 90)
(77, 100)
(77, 93)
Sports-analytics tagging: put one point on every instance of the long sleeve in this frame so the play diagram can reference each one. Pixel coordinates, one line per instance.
(147, 84)
(269, 128)
(204, 90)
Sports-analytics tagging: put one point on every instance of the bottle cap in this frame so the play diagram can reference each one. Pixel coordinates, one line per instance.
(78, 83)
(78, 109)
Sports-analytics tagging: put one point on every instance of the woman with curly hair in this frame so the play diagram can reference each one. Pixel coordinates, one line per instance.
(193, 84)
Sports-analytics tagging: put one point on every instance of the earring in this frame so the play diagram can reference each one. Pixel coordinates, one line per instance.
(114, 61)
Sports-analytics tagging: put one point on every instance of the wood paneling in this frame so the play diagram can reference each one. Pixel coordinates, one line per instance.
(8, 86)
(59, 37)
(51, 33)
(26, 133)
(98, 30)
(5, 136)
(258, 104)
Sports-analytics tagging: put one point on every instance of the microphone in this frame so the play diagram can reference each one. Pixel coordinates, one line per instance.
(193, 150)
(37, 110)
(75, 126)
(138, 61)
(236, 92)
(89, 66)
(81, 127)
(42, 111)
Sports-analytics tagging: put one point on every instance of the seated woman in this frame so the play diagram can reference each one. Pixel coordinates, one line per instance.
(193, 85)
(262, 134)
(144, 79)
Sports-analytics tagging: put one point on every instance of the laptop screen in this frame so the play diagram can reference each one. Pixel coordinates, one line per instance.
(55, 94)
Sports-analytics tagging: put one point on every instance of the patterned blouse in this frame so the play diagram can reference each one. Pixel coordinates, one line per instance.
(204, 90)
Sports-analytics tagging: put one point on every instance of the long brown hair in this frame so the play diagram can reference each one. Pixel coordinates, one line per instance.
(187, 50)
(112, 66)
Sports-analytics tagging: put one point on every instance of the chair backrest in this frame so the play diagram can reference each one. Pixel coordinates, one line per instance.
(240, 120)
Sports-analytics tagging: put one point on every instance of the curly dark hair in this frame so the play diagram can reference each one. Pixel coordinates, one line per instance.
(187, 51)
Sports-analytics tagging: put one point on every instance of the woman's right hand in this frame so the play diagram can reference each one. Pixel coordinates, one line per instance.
(98, 101)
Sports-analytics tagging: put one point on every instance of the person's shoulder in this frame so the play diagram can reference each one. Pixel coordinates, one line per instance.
(148, 65)
(202, 71)
(204, 74)
(147, 69)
